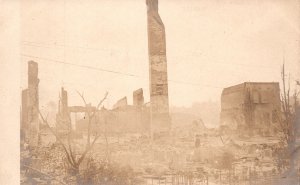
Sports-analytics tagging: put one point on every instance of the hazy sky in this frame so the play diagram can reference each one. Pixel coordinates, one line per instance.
(211, 44)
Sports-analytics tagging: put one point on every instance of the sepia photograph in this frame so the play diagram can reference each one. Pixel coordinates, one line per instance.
(154, 92)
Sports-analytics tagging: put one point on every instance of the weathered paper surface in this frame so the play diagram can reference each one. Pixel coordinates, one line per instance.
(190, 84)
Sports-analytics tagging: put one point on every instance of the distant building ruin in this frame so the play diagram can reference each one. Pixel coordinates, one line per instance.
(30, 107)
(251, 106)
(159, 99)
(138, 97)
(120, 103)
(62, 118)
(123, 118)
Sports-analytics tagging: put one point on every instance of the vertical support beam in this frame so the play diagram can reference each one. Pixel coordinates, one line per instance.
(64, 103)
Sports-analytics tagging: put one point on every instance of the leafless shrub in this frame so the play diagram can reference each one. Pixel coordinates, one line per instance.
(67, 142)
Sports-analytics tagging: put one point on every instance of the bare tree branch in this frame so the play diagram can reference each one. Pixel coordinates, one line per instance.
(58, 139)
(87, 150)
(82, 97)
(68, 149)
(100, 103)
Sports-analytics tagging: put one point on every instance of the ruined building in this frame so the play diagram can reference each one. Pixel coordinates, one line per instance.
(138, 97)
(63, 123)
(251, 107)
(159, 100)
(139, 117)
(30, 107)
(121, 103)
(123, 118)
